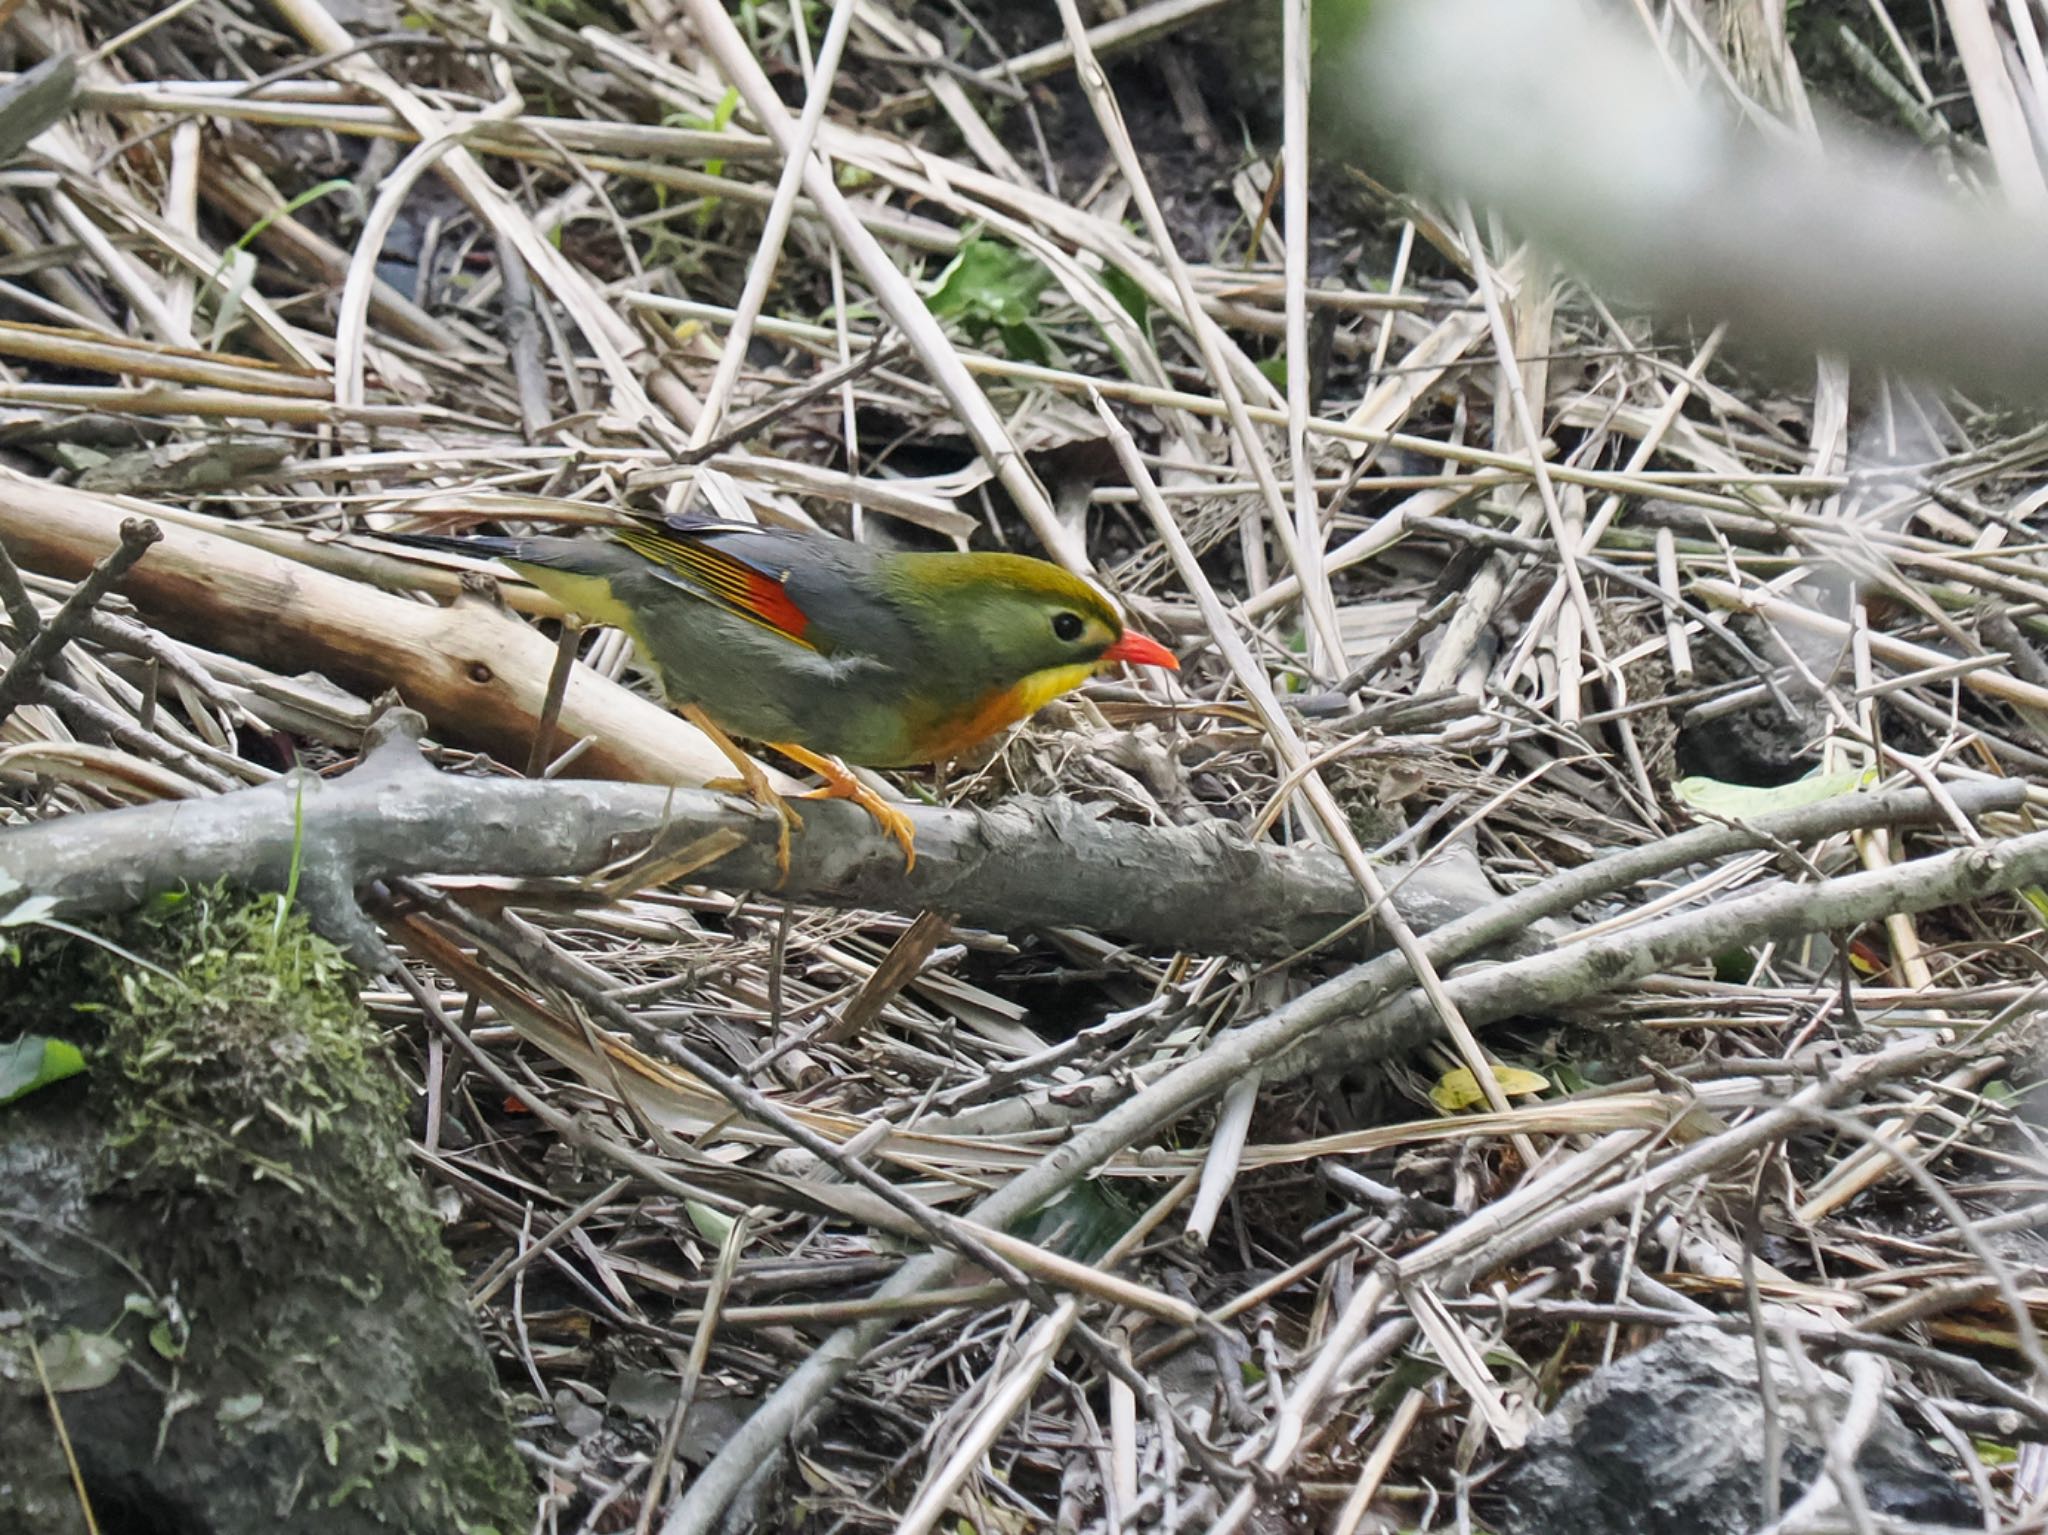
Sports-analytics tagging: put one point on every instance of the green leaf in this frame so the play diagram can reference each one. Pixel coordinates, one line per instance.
(991, 286)
(1125, 290)
(1408, 1374)
(1275, 369)
(1501, 1357)
(1733, 967)
(1026, 343)
(1570, 1079)
(2037, 899)
(82, 1361)
(1082, 1223)
(235, 262)
(712, 1225)
(1991, 1453)
(721, 118)
(237, 270)
(332, 186)
(239, 1409)
(1734, 800)
(34, 1061)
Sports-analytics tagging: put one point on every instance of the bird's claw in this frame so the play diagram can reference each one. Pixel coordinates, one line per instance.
(841, 784)
(756, 787)
(752, 782)
(887, 816)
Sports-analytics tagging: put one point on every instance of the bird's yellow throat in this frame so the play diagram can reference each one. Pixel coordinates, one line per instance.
(1002, 709)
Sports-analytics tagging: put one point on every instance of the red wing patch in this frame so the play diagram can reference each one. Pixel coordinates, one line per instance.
(750, 593)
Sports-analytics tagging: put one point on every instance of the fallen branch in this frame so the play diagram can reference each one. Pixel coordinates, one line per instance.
(1021, 866)
(1346, 1022)
(1025, 865)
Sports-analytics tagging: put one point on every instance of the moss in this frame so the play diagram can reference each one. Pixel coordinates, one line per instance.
(233, 981)
(253, 1149)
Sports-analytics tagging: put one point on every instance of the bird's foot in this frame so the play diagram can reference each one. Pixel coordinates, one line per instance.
(758, 789)
(753, 782)
(841, 784)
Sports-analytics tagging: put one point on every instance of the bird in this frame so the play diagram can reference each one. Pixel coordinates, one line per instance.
(827, 650)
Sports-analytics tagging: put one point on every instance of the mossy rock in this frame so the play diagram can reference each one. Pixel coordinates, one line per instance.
(224, 1200)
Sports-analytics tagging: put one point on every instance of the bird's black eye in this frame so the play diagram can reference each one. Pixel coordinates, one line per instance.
(1067, 626)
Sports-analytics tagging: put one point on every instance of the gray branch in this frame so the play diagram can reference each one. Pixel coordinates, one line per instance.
(1026, 865)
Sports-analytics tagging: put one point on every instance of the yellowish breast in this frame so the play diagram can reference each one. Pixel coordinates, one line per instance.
(1000, 710)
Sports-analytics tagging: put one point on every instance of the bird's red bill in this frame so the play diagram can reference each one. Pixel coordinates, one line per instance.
(1139, 651)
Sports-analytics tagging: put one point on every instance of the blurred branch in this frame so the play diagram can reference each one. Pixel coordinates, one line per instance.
(1579, 136)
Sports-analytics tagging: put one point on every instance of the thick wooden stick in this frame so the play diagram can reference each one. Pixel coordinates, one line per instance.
(479, 676)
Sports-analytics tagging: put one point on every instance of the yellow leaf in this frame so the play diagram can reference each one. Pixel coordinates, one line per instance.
(2035, 897)
(1736, 800)
(1457, 1090)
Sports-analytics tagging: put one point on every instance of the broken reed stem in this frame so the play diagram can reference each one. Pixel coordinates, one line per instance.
(21, 610)
(19, 683)
(551, 704)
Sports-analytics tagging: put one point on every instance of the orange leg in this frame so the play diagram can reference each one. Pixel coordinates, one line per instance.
(840, 784)
(752, 782)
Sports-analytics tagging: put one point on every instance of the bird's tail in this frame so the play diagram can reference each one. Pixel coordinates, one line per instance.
(479, 546)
